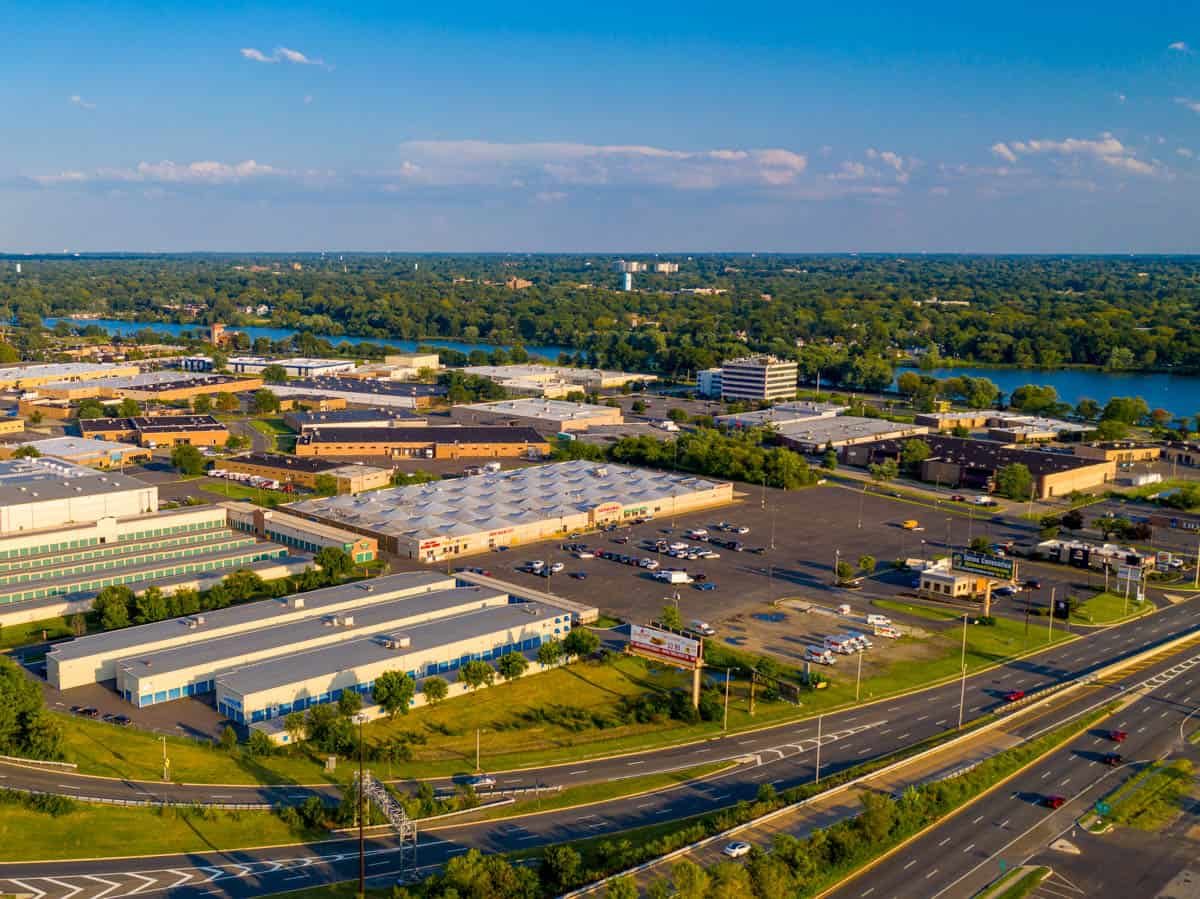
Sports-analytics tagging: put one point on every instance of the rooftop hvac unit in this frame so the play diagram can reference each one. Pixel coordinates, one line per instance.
(345, 620)
(397, 641)
(295, 602)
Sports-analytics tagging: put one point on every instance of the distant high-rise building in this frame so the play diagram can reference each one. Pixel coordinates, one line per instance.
(708, 382)
(627, 282)
(666, 268)
(629, 268)
(758, 378)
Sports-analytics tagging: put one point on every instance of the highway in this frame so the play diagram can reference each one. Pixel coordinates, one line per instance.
(963, 853)
(783, 756)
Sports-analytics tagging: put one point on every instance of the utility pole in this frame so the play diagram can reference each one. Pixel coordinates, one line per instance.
(725, 719)
(763, 504)
(858, 677)
(753, 683)
(962, 690)
(773, 530)
(362, 814)
(837, 561)
(166, 761)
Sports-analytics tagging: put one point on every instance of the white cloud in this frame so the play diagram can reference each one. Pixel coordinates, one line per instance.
(550, 196)
(1189, 103)
(553, 164)
(1107, 149)
(280, 54)
(1179, 47)
(168, 172)
(77, 100)
(1185, 152)
(1121, 98)
(69, 177)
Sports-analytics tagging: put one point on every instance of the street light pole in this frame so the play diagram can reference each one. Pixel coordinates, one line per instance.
(362, 814)
(862, 498)
(858, 677)
(817, 779)
(166, 761)
(837, 561)
(725, 719)
(962, 690)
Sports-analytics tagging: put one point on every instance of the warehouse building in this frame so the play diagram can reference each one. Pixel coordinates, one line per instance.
(304, 471)
(44, 493)
(158, 430)
(1123, 452)
(353, 418)
(424, 442)
(298, 533)
(392, 394)
(305, 402)
(91, 659)
(276, 687)
(148, 678)
(444, 519)
(546, 416)
(973, 464)
(841, 431)
(30, 404)
(398, 367)
(82, 451)
(549, 380)
(759, 378)
(28, 376)
(11, 425)
(295, 367)
(158, 386)
(781, 414)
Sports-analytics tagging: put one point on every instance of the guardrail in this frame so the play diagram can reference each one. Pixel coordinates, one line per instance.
(1043, 696)
(17, 760)
(147, 803)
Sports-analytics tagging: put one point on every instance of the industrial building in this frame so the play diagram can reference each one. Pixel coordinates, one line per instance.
(973, 464)
(158, 430)
(11, 425)
(278, 686)
(759, 378)
(545, 416)
(27, 376)
(298, 533)
(423, 442)
(353, 418)
(781, 414)
(392, 394)
(296, 367)
(708, 383)
(30, 404)
(398, 367)
(91, 659)
(82, 451)
(839, 431)
(305, 402)
(304, 471)
(1123, 452)
(191, 668)
(456, 517)
(158, 386)
(1006, 427)
(549, 380)
(43, 493)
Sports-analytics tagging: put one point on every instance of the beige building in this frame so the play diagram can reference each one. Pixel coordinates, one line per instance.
(27, 376)
(759, 378)
(545, 416)
(1120, 451)
(304, 471)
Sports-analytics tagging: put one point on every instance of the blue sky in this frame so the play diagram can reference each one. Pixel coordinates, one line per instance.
(614, 127)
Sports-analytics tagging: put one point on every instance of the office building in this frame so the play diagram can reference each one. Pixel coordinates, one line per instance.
(708, 383)
(758, 378)
(450, 518)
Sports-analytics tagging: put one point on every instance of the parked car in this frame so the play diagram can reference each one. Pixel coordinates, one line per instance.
(737, 849)
(579, 575)
(957, 498)
(537, 565)
(557, 567)
(1004, 591)
(123, 720)
(741, 530)
(702, 627)
(1033, 584)
(706, 586)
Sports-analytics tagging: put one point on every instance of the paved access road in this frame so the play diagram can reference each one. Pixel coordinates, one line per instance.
(964, 853)
(790, 760)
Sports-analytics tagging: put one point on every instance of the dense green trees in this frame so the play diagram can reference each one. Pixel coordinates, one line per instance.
(394, 691)
(26, 729)
(187, 459)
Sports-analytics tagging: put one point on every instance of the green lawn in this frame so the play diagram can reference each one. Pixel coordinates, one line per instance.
(279, 435)
(92, 831)
(234, 490)
(607, 621)
(1148, 490)
(1151, 800)
(1016, 884)
(12, 635)
(1108, 608)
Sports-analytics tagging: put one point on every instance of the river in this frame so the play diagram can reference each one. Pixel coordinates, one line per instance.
(1179, 394)
(121, 327)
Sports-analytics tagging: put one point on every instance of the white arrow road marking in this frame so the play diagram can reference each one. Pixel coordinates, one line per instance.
(34, 891)
(149, 880)
(66, 886)
(215, 872)
(112, 885)
(184, 877)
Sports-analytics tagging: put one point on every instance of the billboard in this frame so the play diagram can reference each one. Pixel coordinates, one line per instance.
(1132, 573)
(1162, 561)
(985, 564)
(664, 644)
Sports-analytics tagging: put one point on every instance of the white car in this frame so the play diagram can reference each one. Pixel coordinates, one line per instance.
(709, 554)
(742, 530)
(537, 565)
(697, 533)
(677, 547)
(585, 554)
(737, 850)
(557, 567)
(482, 780)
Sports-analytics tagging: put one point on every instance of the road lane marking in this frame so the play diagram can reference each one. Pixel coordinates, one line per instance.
(910, 864)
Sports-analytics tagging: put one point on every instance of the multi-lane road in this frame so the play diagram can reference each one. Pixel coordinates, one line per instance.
(782, 755)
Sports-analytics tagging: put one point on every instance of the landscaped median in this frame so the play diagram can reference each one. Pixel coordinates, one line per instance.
(1147, 801)
(1109, 608)
(1016, 884)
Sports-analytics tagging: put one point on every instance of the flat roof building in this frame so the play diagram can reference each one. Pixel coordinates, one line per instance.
(759, 378)
(353, 418)
(546, 416)
(82, 451)
(160, 386)
(781, 414)
(279, 686)
(304, 471)
(299, 533)
(147, 678)
(423, 442)
(843, 430)
(509, 508)
(90, 659)
(26, 376)
(708, 382)
(43, 493)
(158, 430)
(392, 394)
(527, 376)
(295, 367)
(1120, 451)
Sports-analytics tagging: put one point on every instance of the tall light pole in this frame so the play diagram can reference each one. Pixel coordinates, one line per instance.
(858, 677)
(362, 813)
(837, 561)
(862, 498)
(817, 779)
(948, 532)
(166, 761)
(962, 690)
(725, 719)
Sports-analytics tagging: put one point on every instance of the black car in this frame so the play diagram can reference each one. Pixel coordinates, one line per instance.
(1033, 584)
(1112, 759)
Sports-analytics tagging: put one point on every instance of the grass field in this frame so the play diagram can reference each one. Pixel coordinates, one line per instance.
(234, 490)
(280, 436)
(19, 634)
(1016, 884)
(1151, 800)
(1108, 608)
(92, 831)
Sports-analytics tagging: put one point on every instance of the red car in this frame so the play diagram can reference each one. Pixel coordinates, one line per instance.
(1014, 695)
(1053, 801)
(1117, 736)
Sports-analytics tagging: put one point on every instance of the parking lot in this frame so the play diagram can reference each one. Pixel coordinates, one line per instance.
(793, 542)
